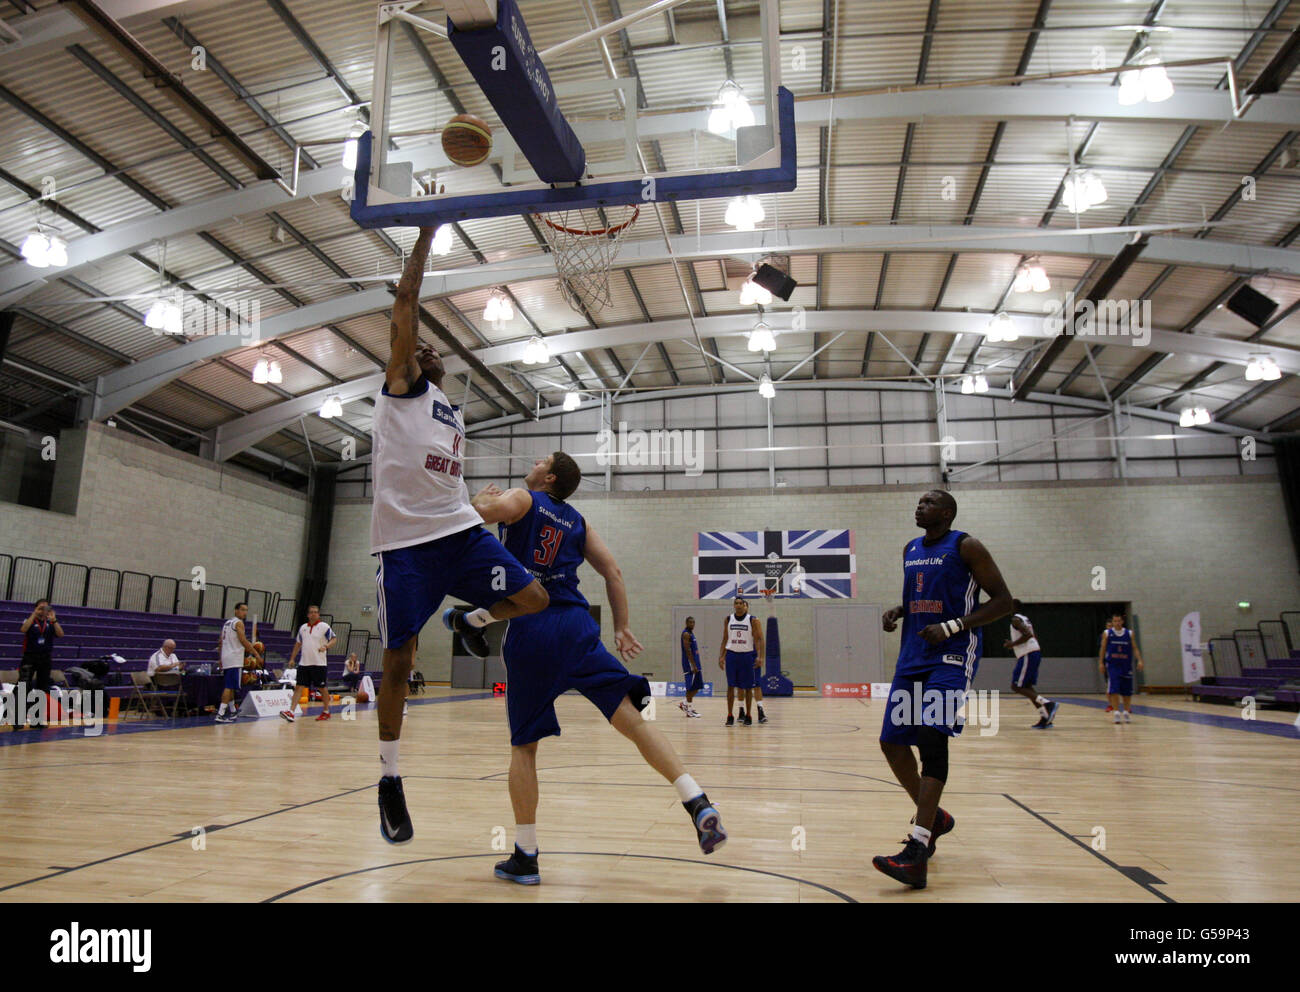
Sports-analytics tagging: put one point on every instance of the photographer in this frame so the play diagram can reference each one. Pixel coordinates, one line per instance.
(39, 631)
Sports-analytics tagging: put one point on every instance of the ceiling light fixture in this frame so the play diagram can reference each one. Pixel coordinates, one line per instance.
(765, 387)
(761, 338)
(1002, 328)
(744, 213)
(536, 352)
(730, 110)
(572, 401)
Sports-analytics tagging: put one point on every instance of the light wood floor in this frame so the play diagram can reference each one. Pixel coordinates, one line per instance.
(1206, 810)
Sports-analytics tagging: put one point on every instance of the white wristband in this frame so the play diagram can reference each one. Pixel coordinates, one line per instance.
(952, 627)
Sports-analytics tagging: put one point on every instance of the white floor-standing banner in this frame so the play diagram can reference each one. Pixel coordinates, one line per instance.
(1190, 639)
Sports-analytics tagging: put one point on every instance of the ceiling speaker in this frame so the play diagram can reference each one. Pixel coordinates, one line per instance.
(777, 282)
(1251, 305)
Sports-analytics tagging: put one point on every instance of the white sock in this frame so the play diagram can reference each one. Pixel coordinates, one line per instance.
(921, 834)
(479, 618)
(526, 838)
(388, 757)
(1041, 701)
(222, 710)
(1042, 711)
(686, 788)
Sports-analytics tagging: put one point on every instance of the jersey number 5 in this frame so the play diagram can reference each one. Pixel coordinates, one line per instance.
(550, 546)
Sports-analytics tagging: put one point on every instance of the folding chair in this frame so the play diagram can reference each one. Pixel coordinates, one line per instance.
(146, 695)
(169, 684)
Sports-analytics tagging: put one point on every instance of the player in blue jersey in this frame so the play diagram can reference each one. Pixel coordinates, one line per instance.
(1118, 649)
(692, 676)
(559, 649)
(938, 653)
(429, 540)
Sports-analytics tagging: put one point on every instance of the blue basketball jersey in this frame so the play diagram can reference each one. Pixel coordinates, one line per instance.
(937, 586)
(1119, 647)
(694, 656)
(549, 541)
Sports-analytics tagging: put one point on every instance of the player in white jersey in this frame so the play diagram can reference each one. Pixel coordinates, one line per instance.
(314, 639)
(428, 537)
(1025, 675)
(742, 646)
(234, 646)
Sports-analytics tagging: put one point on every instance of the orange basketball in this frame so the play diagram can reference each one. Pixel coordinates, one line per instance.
(261, 648)
(362, 697)
(467, 140)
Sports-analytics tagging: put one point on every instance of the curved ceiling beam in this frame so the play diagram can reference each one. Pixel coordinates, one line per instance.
(1002, 103)
(122, 387)
(232, 437)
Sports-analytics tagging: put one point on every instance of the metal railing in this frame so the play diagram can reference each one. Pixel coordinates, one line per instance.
(1291, 621)
(1250, 648)
(1276, 642)
(1224, 659)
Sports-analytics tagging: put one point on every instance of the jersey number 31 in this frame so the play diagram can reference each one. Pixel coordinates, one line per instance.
(550, 541)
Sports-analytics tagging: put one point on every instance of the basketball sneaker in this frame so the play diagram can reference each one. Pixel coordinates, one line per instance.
(519, 867)
(225, 718)
(943, 823)
(394, 822)
(1128, 716)
(475, 643)
(1109, 708)
(1042, 724)
(731, 720)
(684, 708)
(746, 720)
(907, 866)
(288, 716)
(693, 712)
(1116, 719)
(1051, 712)
(708, 823)
(762, 717)
(323, 716)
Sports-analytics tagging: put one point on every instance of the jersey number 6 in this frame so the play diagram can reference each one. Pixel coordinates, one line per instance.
(550, 545)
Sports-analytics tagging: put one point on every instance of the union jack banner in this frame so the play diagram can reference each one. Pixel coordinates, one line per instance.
(827, 558)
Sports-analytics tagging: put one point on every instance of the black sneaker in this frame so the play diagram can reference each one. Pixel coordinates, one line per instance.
(1051, 712)
(943, 823)
(394, 823)
(742, 714)
(731, 720)
(1042, 724)
(708, 823)
(907, 866)
(746, 721)
(472, 637)
(519, 867)
(762, 717)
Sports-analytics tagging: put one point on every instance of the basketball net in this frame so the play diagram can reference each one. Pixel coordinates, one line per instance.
(584, 242)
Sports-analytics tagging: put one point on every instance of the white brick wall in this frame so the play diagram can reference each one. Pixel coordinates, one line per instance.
(1169, 548)
(148, 508)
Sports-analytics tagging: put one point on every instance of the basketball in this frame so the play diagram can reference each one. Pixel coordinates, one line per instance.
(467, 140)
(259, 647)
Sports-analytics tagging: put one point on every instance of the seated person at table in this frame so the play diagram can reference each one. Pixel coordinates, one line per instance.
(164, 660)
(352, 672)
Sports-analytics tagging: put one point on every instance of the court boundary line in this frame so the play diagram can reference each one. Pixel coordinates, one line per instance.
(1096, 854)
(844, 897)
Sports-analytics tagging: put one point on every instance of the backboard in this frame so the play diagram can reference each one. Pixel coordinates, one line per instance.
(565, 134)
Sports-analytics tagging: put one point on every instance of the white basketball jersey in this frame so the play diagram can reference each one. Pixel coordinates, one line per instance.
(419, 492)
(232, 652)
(313, 641)
(1030, 645)
(740, 635)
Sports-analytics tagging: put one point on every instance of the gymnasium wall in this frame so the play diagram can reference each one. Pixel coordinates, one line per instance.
(144, 507)
(1167, 549)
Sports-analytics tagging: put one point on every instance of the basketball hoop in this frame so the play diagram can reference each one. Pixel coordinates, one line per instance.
(585, 242)
(767, 596)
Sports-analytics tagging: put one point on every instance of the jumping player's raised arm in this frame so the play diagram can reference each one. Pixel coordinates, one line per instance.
(403, 370)
(599, 557)
(497, 507)
(986, 574)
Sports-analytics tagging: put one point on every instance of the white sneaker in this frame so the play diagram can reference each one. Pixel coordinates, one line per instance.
(1128, 717)
(684, 708)
(691, 712)
(1117, 716)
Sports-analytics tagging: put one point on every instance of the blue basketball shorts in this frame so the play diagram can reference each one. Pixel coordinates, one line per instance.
(471, 566)
(1026, 670)
(741, 673)
(232, 678)
(928, 697)
(694, 679)
(1119, 679)
(551, 652)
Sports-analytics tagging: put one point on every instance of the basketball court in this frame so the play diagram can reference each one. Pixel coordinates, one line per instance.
(812, 293)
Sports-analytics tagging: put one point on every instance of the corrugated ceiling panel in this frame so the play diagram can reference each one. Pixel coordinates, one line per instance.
(851, 280)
